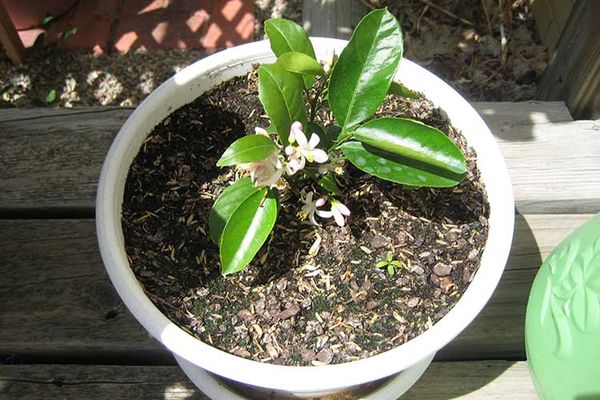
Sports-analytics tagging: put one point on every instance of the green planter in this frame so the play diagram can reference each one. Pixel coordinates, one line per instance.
(562, 327)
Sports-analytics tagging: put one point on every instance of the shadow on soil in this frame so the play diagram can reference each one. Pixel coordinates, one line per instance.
(495, 336)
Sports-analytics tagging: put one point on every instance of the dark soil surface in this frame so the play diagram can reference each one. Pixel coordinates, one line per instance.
(294, 306)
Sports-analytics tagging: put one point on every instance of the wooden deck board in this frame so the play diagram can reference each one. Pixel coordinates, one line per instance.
(58, 303)
(50, 159)
(331, 18)
(477, 380)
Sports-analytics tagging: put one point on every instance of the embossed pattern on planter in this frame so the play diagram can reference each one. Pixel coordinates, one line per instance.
(562, 328)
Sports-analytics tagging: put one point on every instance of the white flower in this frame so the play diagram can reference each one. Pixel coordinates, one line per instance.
(261, 131)
(295, 162)
(306, 148)
(265, 172)
(338, 211)
(310, 207)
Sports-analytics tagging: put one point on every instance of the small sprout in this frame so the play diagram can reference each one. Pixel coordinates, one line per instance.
(390, 264)
(51, 96)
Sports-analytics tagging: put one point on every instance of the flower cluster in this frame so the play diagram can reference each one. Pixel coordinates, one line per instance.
(347, 90)
(291, 159)
(338, 210)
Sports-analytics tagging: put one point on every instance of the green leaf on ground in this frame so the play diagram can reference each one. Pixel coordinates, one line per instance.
(51, 96)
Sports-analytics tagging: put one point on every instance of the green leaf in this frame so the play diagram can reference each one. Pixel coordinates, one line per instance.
(286, 36)
(66, 35)
(390, 270)
(381, 264)
(47, 19)
(389, 256)
(413, 140)
(397, 169)
(51, 96)
(401, 90)
(299, 63)
(247, 149)
(226, 204)
(328, 183)
(247, 230)
(397, 263)
(362, 75)
(329, 137)
(280, 93)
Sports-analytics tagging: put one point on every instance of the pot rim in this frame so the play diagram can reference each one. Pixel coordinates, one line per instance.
(290, 378)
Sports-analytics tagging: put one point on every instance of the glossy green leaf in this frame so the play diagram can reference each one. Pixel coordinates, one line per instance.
(329, 137)
(280, 93)
(247, 230)
(247, 149)
(328, 183)
(286, 36)
(413, 140)
(381, 264)
(399, 89)
(395, 168)
(299, 63)
(229, 200)
(361, 77)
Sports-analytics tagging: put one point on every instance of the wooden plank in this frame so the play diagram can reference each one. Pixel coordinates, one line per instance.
(98, 382)
(10, 38)
(50, 159)
(485, 380)
(477, 380)
(573, 74)
(514, 121)
(332, 18)
(58, 303)
(558, 170)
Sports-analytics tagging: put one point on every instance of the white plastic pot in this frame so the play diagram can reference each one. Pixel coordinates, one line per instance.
(190, 83)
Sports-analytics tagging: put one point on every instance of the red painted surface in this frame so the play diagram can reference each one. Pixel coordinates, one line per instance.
(150, 24)
(125, 25)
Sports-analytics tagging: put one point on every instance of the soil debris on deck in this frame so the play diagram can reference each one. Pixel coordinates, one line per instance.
(313, 295)
(462, 42)
(469, 57)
